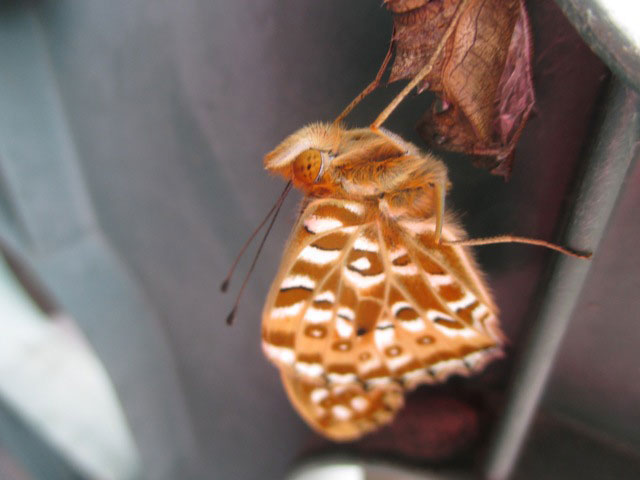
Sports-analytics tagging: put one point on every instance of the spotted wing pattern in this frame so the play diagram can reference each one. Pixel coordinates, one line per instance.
(364, 308)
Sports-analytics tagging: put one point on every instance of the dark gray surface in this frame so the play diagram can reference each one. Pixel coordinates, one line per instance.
(47, 220)
(616, 44)
(560, 448)
(171, 106)
(616, 134)
(597, 376)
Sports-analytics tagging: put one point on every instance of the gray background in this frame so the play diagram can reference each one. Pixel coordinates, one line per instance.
(165, 110)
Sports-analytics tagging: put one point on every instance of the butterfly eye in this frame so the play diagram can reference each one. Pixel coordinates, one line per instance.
(308, 167)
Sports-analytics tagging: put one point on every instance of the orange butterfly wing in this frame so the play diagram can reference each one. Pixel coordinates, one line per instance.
(343, 412)
(364, 308)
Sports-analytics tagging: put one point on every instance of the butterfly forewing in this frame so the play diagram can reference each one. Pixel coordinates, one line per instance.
(364, 308)
(301, 304)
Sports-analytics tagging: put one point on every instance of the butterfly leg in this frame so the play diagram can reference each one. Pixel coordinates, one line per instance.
(439, 185)
(372, 86)
(440, 192)
(474, 242)
(423, 72)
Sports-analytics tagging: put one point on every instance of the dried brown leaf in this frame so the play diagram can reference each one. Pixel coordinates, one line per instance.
(482, 77)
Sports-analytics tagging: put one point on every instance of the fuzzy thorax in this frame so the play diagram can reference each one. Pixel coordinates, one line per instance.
(373, 166)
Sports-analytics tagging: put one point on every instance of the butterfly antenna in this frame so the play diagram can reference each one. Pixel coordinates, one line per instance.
(276, 209)
(225, 284)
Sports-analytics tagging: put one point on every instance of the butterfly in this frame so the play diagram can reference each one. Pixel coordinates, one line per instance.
(376, 292)
(371, 299)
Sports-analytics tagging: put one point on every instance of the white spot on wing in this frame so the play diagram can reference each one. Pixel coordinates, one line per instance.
(359, 403)
(344, 328)
(396, 307)
(464, 302)
(361, 263)
(397, 253)
(433, 314)
(326, 296)
(347, 313)
(448, 367)
(371, 364)
(278, 354)
(416, 325)
(384, 338)
(398, 362)
(356, 208)
(439, 280)
(319, 394)
(317, 224)
(473, 358)
(407, 270)
(418, 376)
(378, 381)
(479, 312)
(309, 369)
(338, 390)
(341, 412)
(317, 315)
(419, 227)
(478, 360)
(318, 256)
(362, 281)
(288, 311)
(411, 325)
(316, 333)
(455, 332)
(298, 281)
(364, 244)
(342, 378)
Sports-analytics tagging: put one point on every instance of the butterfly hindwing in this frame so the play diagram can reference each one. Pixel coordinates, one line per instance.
(442, 312)
(343, 412)
(365, 308)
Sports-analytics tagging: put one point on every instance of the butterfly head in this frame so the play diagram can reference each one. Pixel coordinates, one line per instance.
(305, 156)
